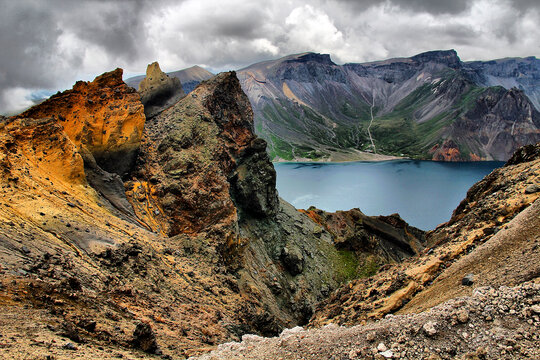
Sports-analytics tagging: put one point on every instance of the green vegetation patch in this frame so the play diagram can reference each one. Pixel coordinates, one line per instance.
(347, 267)
(369, 267)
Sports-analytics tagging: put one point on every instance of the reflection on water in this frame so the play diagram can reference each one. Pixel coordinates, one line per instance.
(424, 193)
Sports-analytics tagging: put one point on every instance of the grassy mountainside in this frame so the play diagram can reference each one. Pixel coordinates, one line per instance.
(426, 106)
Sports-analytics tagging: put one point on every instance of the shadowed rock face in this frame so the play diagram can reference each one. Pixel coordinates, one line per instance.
(388, 237)
(105, 116)
(190, 152)
(499, 122)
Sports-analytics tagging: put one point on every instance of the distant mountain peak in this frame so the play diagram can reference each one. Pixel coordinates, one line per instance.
(448, 57)
(312, 57)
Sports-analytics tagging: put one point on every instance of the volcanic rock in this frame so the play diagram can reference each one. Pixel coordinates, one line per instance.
(189, 78)
(197, 245)
(428, 106)
(510, 336)
(462, 245)
(468, 280)
(158, 90)
(390, 238)
(213, 143)
(144, 338)
(105, 116)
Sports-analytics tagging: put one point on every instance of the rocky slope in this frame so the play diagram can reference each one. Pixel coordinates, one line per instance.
(189, 248)
(428, 106)
(492, 233)
(461, 283)
(492, 323)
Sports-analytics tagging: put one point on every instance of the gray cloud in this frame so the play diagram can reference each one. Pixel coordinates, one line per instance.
(435, 6)
(438, 7)
(51, 44)
(525, 5)
(430, 6)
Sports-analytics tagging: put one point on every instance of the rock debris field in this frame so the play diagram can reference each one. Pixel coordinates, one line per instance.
(493, 323)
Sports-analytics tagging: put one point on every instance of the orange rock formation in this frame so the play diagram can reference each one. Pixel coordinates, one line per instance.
(105, 116)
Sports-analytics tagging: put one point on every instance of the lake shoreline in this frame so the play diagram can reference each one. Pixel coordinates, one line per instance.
(423, 192)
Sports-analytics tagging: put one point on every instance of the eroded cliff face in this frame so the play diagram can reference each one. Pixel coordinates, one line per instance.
(202, 170)
(105, 116)
(429, 106)
(499, 122)
(190, 152)
(386, 238)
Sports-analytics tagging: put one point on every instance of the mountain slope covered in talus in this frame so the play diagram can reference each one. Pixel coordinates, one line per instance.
(126, 235)
(429, 106)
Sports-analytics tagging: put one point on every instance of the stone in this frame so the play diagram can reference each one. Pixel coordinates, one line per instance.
(371, 336)
(71, 332)
(293, 260)
(388, 354)
(463, 316)
(381, 347)
(69, 346)
(468, 280)
(430, 328)
(158, 90)
(144, 338)
(531, 189)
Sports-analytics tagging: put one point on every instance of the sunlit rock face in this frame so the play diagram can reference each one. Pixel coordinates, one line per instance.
(105, 116)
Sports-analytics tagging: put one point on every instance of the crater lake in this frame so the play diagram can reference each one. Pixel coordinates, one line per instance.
(423, 193)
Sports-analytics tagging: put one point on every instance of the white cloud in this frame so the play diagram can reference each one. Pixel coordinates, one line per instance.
(263, 45)
(311, 29)
(15, 99)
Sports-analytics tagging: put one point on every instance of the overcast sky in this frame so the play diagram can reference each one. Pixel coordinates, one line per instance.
(49, 44)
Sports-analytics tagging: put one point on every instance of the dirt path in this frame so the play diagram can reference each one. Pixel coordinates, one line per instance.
(370, 123)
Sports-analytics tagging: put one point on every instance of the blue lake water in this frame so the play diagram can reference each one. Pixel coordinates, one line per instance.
(424, 193)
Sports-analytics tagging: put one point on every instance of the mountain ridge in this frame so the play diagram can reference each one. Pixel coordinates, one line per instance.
(306, 106)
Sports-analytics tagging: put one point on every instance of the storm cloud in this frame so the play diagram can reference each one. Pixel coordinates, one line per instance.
(46, 45)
